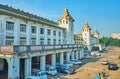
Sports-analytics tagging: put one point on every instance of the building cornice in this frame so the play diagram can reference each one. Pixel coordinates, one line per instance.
(7, 10)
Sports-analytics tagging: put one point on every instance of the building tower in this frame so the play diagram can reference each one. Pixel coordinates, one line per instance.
(96, 35)
(66, 21)
(86, 33)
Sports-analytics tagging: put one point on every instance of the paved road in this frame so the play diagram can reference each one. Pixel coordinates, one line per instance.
(93, 66)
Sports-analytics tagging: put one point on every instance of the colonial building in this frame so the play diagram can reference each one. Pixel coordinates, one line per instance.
(78, 39)
(24, 37)
(88, 38)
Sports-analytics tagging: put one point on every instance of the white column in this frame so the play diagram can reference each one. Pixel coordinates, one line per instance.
(42, 63)
(27, 67)
(61, 37)
(77, 55)
(51, 36)
(54, 60)
(61, 58)
(72, 55)
(10, 68)
(28, 34)
(38, 35)
(45, 33)
(13, 68)
(2, 30)
(68, 56)
(16, 32)
(82, 53)
(57, 37)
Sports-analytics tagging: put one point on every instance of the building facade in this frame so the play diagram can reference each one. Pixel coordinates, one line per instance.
(24, 37)
(116, 35)
(87, 38)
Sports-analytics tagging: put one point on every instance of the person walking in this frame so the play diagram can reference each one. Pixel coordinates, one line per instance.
(104, 74)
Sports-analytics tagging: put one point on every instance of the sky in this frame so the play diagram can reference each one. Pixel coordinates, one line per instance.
(103, 15)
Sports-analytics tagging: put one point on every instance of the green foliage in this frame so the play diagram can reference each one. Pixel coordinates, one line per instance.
(109, 41)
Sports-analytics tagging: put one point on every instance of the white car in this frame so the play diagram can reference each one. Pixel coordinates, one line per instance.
(92, 53)
(76, 62)
(51, 70)
(70, 64)
(98, 54)
(105, 62)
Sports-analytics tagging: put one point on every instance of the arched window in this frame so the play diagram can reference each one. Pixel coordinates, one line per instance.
(63, 21)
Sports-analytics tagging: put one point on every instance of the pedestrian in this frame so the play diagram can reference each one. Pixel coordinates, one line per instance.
(104, 74)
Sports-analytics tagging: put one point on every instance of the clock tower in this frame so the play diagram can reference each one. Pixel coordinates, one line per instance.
(66, 21)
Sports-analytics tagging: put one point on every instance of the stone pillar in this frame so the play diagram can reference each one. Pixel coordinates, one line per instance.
(68, 56)
(16, 32)
(61, 37)
(27, 67)
(28, 42)
(72, 55)
(42, 63)
(2, 30)
(54, 60)
(38, 36)
(46, 36)
(61, 58)
(52, 36)
(10, 68)
(13, 68)
(82, 53)
(77, 55)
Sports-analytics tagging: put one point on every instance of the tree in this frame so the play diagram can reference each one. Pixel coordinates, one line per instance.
(109, 41)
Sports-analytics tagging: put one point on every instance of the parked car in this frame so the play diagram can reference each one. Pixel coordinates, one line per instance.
(95, 53)
(51, 70)
(65, 69)
(76, 62)
(87, 56)
(37, 74)
(112, 66)
(105, 62)
(70, 64)
(92, 53)
(98, 54)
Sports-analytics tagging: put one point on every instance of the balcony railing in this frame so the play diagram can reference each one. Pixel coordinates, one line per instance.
(35, 48)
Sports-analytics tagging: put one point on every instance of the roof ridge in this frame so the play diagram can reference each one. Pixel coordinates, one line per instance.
(22, 12)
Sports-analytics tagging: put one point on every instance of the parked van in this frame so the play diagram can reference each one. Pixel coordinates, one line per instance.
(51, 70)
(37, 74)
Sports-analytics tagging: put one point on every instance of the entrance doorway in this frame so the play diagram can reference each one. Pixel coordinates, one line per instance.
(22, 68)
(3, 68)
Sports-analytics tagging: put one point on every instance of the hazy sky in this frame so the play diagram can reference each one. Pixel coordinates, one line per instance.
(103, 15)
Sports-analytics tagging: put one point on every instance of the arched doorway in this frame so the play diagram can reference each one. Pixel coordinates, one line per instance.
(3, 68)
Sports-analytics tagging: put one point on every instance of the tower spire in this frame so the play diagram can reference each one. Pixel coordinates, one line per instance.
(66, 6)
(66, 14)
(86, 26)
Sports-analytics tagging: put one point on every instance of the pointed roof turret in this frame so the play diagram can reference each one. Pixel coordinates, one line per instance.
(96, 32)
(66, 15)
(86, 26)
